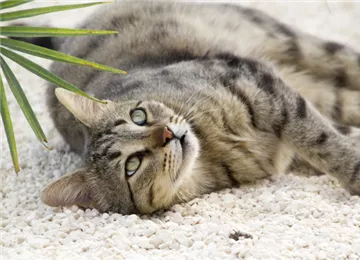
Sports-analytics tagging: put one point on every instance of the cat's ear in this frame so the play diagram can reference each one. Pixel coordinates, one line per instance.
(85, 110)
(70, 189)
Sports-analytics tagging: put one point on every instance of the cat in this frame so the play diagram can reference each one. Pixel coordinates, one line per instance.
(216, 95)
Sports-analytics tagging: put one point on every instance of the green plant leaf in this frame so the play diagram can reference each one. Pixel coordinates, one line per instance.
(54, 55)
(5, 115)
(26, 31)
(23, 101)
(12, 3)
(43, 73)
(43, 10)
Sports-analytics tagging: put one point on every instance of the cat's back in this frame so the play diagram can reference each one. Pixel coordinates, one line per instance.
(152, 34)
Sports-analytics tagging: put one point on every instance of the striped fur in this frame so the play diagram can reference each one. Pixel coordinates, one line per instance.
(250, 96)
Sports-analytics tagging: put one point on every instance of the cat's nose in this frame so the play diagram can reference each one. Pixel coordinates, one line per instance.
(167, 136)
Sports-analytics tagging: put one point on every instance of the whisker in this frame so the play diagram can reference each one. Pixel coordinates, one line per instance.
(222, 74)
(187, 102)
(196, 106)
(202, 113)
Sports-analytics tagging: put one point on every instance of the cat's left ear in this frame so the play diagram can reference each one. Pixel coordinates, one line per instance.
(85, 110)
(71, 189)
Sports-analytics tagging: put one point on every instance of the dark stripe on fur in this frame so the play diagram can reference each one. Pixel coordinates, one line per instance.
(103, 136)
(151, 195)
(119, 122)
(96, 154)
(114, 155)
(340, 79)
(300, 166)
(232, 60)
(138, 103)
(244, 99)
(229, 174)
(279, 126)
(251, 14)
(343, 129)
(293, 49)
(238, 62)
(252, 66)
(132, 197)
(284, 29)
(256, 19)
(301, 107)
(106, 149)
(337, 112)
(332, 47)
(322, 138)
(226, 123)
(355, 174)
(266, 83)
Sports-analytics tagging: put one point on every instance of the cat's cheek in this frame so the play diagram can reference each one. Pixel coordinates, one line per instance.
(190, 153)
(191, 147)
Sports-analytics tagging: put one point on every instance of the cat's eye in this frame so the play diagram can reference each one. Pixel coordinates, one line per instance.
(132, 165)
(138, 116)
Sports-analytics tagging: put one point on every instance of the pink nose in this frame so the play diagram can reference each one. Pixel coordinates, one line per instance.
(167, 135)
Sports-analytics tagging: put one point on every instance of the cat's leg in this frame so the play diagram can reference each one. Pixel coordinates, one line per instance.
(299, 166)
(326, 73)
(276, 108)
(324, 59)
(340, 105)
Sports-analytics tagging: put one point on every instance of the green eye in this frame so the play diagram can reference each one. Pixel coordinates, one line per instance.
(138, 116)
(132, 165)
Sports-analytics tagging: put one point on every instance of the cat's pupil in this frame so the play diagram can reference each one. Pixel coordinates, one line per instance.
(138, 116)
(132, 165)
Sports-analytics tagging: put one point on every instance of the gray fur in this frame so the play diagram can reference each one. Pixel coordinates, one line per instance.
(250, 92)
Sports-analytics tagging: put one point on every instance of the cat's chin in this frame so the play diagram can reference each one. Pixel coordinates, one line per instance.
(190, 152)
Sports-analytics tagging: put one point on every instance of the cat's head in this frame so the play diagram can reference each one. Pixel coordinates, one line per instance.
(138, 155)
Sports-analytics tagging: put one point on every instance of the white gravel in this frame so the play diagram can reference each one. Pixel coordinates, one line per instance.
(288, 217)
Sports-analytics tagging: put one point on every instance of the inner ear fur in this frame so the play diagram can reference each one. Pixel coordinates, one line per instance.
(84, 109)
(71, 189)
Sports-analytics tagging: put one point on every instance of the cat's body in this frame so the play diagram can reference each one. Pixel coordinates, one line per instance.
(219, 87)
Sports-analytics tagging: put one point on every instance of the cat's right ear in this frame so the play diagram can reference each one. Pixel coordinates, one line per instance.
(84, 109)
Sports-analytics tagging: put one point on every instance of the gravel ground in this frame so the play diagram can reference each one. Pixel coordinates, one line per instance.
(283, 218)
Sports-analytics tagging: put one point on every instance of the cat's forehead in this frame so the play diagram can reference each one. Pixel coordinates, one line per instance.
(118, 128)
(123, 108)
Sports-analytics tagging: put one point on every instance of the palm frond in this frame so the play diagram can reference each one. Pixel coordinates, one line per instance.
(26, 31)
(43, 73)
(42, 10)
(5, 115)
(54, 55)
(23, 101)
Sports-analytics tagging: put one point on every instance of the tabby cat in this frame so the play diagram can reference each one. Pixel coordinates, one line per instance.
(216, 95)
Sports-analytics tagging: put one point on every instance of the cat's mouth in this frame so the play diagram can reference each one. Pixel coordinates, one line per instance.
(180, 139)
(186, 149)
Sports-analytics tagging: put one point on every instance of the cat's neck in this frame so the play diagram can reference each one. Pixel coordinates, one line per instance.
(195, 183)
